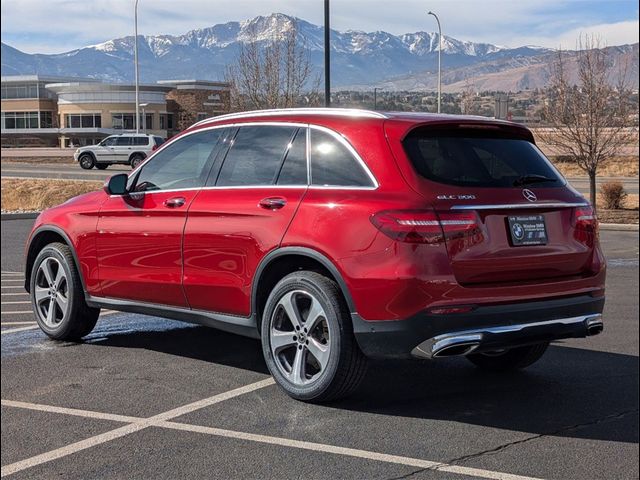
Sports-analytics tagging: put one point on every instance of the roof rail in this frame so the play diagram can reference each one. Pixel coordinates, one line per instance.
(344, 112)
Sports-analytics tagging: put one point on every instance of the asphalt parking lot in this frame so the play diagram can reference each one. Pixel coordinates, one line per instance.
(144, 397)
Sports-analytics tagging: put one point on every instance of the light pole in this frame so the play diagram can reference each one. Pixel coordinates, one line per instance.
(327, 56)
(135, 61)
(439, 59)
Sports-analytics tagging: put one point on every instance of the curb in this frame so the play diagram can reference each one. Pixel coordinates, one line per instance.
(20, 216)
(620, 227)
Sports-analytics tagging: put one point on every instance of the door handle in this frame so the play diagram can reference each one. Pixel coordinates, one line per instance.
(174, 202)
(273, 203)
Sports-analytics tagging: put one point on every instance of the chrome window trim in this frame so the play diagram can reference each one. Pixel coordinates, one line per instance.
(339, 137)
(515, 206)
(340, 112)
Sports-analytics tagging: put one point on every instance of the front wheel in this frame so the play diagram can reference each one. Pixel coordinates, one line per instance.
(86, 161)
(512, 359)
(308, 341)
(57, 295)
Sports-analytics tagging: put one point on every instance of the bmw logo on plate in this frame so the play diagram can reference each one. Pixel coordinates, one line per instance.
(518, 231)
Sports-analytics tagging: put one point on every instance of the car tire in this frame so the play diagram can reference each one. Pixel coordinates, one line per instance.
(57, 295)
(512, 359)
(102, 166)
(314, 358)
(136, 160)
(86, 161)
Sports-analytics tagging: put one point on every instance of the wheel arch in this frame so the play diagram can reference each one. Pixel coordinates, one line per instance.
(282, 261)
(90, 153)
(137, 153)
(42, 236)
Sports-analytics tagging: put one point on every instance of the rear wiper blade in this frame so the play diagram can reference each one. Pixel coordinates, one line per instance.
(532, 178)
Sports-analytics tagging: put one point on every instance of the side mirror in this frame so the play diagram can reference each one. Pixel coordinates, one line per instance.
(117, 184)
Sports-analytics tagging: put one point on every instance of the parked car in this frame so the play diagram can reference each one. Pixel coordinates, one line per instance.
(126, 148)
(333, 236)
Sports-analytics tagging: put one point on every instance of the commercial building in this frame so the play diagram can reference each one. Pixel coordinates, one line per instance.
(58, 111)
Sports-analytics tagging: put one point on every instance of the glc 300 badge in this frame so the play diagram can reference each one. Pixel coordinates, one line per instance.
(457, 197)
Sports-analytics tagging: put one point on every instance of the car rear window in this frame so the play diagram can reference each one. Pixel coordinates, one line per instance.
(479, 159)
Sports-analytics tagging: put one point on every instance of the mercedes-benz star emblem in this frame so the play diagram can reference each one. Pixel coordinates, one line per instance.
(529, 195)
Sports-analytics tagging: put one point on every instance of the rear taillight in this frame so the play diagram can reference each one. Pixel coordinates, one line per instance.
(585, 223)
(154, 148)
(427, 226)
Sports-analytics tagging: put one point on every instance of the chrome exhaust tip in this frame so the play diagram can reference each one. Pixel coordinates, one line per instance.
(456, 350)
(452, 345)
(594, 326)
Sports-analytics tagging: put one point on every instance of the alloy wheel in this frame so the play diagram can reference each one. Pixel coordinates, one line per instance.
(300, 337)
(51, 292)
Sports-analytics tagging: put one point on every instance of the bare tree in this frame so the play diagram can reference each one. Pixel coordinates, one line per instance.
(468, 98)
(590, 117)
(276, 73)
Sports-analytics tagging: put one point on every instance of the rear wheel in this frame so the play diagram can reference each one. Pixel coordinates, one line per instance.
(57, 295)
(308, 341)
(102, 166)
(136, 160)
(86, 161)
(512, 359)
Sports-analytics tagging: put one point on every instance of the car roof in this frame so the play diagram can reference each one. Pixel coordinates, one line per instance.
(353, 113)
(125, 134)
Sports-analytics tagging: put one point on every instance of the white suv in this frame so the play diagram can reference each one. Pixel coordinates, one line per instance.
(126, 148)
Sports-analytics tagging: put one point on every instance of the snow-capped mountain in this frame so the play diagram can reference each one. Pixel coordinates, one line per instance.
(358, 58)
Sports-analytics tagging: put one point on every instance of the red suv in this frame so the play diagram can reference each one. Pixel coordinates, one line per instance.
(334, 235)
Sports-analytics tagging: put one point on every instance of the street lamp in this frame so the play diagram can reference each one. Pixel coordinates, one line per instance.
(144, 117)
(439, 59)
(135, 61)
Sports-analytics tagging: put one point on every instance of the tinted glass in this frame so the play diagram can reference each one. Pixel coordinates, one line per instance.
(255, 156)
(140, 141)
(294, 168)
(110, 142)
(479, 160)
(183, 164)
(158, 141)
(123, 141)
(332, 164)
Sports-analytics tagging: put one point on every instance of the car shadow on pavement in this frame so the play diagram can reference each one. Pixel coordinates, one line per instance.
(570, 392)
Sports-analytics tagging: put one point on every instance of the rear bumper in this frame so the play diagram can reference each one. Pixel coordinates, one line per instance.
(484, 329)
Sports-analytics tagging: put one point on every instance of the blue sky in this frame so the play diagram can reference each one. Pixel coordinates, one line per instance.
(40, 26)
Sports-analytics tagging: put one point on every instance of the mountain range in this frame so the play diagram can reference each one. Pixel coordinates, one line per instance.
(360, 60)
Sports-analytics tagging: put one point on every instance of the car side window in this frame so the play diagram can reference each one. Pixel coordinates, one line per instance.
(140, 141)
(185, 163)
(255, 156)
(123, 141)
(332, 164)
(109, 142)
(294, 167)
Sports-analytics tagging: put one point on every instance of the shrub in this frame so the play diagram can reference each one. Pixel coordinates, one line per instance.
(613, 195)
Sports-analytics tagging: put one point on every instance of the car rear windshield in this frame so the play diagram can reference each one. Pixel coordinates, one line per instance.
(479, 159)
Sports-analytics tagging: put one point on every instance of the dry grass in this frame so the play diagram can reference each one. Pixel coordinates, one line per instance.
(616, 167)
(20, 194)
